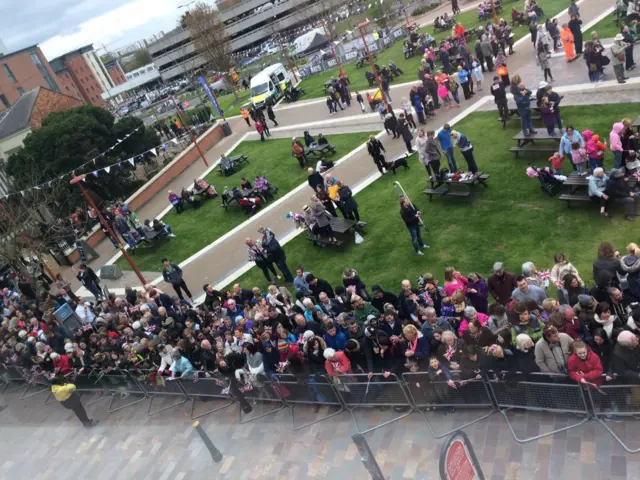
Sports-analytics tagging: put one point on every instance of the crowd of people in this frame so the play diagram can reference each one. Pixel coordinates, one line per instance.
(505, 326)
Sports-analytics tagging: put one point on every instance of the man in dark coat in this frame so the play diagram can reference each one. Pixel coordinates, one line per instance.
(380, 298)
(501, 283)
(315, 179)
(318, 285)
(619, 191)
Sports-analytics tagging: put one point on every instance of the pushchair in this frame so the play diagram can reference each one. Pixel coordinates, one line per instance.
(548, 182)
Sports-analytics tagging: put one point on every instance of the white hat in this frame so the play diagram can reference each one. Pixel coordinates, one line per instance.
(619, 37)
(542, 84)
(136, 325)
(69, 348)
(308, 334)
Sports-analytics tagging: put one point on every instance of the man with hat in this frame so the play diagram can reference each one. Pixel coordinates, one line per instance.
(618, 57)
(619, 192)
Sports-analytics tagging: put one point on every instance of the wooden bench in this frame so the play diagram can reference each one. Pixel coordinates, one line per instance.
(235, 163)
(320, 150)
(445, 192)
(532, 148)
(568, 197)
(624, 19)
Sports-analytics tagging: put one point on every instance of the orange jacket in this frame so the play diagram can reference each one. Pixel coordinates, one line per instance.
(244, 112)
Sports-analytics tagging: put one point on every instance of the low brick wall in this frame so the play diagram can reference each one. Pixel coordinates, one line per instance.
(178, 165)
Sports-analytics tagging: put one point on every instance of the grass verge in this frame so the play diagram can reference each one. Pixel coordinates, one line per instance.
(511, 221)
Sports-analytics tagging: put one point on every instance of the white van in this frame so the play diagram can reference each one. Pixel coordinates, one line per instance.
(268, 85)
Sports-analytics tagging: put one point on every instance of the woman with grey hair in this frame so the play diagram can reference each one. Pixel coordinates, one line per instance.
(597, 187)
(470, 314)
(524, 352)
(530, 273)
(451, 350)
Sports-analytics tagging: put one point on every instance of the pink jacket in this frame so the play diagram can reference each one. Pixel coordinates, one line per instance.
(615, 143)
(459, 284)
(464, 324)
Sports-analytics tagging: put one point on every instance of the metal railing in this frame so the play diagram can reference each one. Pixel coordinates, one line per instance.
(478, 398)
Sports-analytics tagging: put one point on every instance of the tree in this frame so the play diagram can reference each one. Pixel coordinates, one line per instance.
(211, 40)
(70, 138)
(381, 13)
(141, 57)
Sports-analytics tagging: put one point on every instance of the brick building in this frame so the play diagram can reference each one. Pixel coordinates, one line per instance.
(115, 72)
(82, 74)
(22, 71)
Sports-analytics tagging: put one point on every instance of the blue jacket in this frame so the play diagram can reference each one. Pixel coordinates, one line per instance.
(444, 138)
(597, 185)
(422, 348)
(523, 102)
(463, 141)
(337, 342)
(565, 142)
(463, 76)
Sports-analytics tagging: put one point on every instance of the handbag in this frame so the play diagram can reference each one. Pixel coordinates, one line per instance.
(605, 60)
(593, 67)
(502, 71)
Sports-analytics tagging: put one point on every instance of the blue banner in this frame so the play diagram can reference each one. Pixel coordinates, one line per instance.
(203, 81)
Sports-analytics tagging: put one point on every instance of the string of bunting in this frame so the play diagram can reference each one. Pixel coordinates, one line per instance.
(132, 161)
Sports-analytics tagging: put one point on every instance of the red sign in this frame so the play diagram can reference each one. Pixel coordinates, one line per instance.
(458, 464)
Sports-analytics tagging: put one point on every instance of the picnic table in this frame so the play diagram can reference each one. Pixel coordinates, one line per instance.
(319, 150)
(339, 225)
(526, 143)
(235, 162)
(513, 110)
(442, 186)
(577, 182)
(636, 124)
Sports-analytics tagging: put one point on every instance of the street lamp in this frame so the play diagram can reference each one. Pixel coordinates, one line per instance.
(189, 131)
(77, 180)
(186, 5)
(373, 65)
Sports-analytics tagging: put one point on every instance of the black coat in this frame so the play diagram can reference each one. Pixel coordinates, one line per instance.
(314, 180)
(387, 297)
(322, 286)
(347, 202)
(403, 129)
(618, 188)
(375, 147)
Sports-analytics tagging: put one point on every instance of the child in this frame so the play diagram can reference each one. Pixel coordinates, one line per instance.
(360, 101)
(548, 116)
(578, 157)
(476, 73)
(439, 373)
(408, 113)
(595, 150)
(453, 87)
(443, 93)
(556, 163)
(260, 130)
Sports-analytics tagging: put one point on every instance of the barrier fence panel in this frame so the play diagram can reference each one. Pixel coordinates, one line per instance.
(86, 383)
(315, 390)
(37, 382)
(254, 389)
(121, 384)
(154, 385)
(207, 389)
(14, 379)
(426, 394)
(358, 391)
(540, 392)
(612, 400)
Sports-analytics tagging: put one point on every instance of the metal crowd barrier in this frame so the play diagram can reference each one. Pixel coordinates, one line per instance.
(214, 387)
(122, 384)
(426, 395)
(154, 385)
(86, 383)
(14, 379)
(359, 391)
(315, 390)
(262, 390)
(615, 400)
(540, 392)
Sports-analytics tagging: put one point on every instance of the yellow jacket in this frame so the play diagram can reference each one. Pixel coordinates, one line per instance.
(63, 392)
(333, 191)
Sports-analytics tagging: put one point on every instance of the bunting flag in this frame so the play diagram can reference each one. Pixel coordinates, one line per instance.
(107, 169)
(37, 188)
(84, 179)
(175, 141)
(95, 173)
(22, 192)
(132, 162)
(153, 150)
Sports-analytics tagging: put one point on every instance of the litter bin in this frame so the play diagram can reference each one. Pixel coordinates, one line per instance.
(226, 129)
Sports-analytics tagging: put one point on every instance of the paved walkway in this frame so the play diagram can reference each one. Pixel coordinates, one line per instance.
(219, 262)
(47, 442)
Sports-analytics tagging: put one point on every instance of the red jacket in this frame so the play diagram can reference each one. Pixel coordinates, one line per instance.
(259, 126)
(589, 369)
(336, 367)
(572, 328)
(63, 364)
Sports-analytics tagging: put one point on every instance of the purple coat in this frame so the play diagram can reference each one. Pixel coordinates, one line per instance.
(479, 300)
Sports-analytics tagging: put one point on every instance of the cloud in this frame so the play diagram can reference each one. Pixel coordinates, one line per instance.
(130, 22)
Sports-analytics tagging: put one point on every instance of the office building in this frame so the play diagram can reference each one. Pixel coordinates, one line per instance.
(22, 71)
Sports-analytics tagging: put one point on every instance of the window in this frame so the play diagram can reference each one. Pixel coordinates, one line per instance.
(281, 76)
(82, 80)
(21, 91)
(36, 59)
(67, 87)
(9, 73)
(4, 101)
(53, 86)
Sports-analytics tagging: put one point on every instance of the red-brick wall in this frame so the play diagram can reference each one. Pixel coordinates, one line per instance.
(84, 80)
(48, 102)
(68, 86)
(26, 73)
(116, 74)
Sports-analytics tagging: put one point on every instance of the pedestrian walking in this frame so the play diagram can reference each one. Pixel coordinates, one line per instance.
(172, 274)
(330, 105)
(260, 130)
(408, 113)
(618, 57)
(245, 114)
(376, 149)
(65, 393)
(275, 252)
(404, 132)
(411, 217)
(90, 280)
(271, 115)
(360, 100)
(543, 60)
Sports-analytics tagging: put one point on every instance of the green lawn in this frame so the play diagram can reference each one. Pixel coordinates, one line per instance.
(314, 85)
(605, 28)
(511, 221)
(196, 229)
(231, 105)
